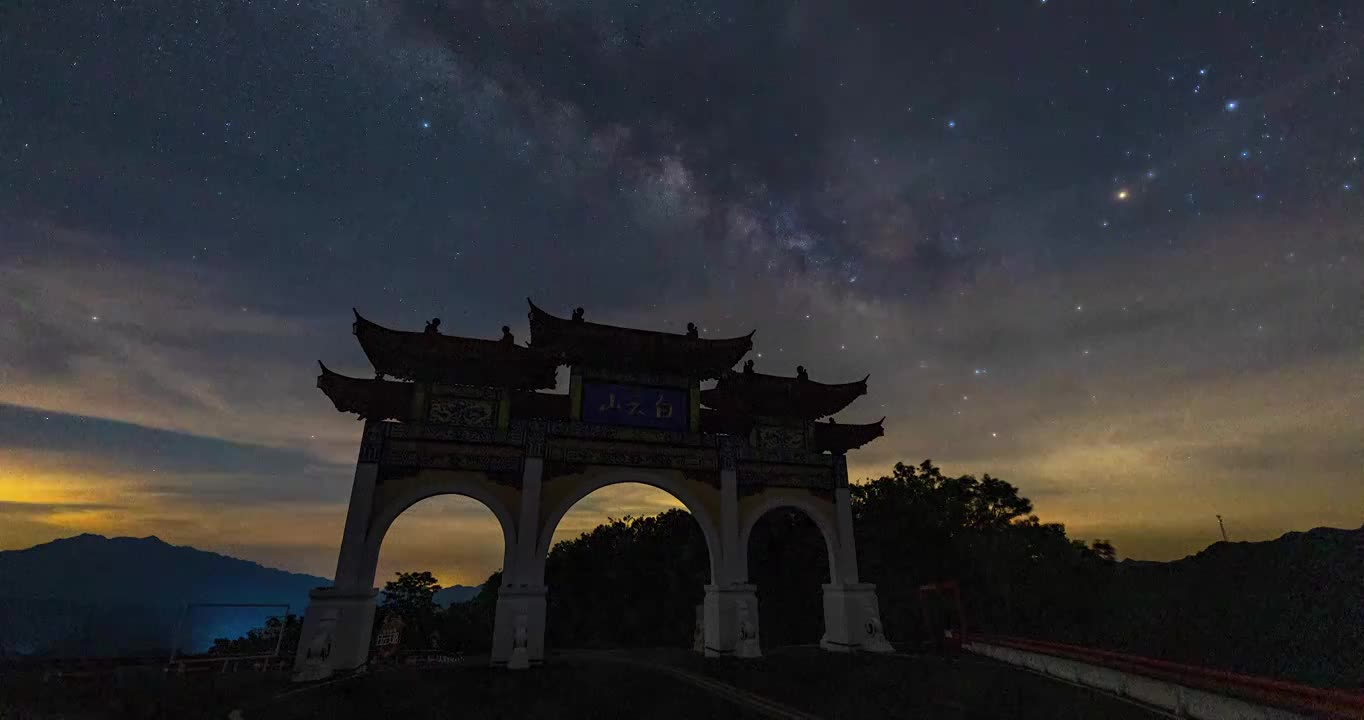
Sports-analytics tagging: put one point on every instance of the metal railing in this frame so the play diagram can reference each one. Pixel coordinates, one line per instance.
(1267, 691)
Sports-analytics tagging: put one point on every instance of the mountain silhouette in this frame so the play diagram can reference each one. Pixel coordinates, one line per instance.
(456, 594)
(92, 595)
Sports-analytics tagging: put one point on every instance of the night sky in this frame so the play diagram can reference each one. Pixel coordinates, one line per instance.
(1109, 251)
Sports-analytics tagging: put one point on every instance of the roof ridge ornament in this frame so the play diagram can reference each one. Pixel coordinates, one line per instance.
(432, 326)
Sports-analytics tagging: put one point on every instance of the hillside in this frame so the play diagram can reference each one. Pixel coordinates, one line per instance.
(455, 594)
(1289, 608)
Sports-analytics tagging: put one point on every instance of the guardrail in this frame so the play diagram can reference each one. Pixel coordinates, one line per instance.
(1266, 691)
(95, 667)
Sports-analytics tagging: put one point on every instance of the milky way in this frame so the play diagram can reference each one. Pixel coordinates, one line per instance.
(1110, 252)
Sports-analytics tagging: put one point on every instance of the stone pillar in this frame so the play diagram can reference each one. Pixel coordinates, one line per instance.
(524, 561)
(847, 541)
(733, 561)
(731, 618)
(519, 606)
(339, 620)
(852, 614)
(354, 569)
(519, 624)
(336, 633)
(852, 619)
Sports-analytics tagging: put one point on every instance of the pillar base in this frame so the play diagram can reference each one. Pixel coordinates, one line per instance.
(698, 636)
(519, 627)
(335, 634)
(731, 621)
(852, 619)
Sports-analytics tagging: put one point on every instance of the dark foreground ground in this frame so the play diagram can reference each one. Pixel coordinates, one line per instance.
(789, 683)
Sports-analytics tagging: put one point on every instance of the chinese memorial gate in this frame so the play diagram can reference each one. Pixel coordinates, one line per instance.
(468, 416)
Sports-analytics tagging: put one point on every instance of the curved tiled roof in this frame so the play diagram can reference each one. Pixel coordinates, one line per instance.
(448, 358)
(777, 396)
(609, 347)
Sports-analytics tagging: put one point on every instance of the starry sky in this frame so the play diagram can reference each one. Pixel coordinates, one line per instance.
(1109, 251)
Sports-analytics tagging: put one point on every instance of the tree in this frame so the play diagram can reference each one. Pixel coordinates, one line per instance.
(412, 597)
(917, 526)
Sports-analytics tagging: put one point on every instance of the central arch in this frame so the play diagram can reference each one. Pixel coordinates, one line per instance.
(693, 495)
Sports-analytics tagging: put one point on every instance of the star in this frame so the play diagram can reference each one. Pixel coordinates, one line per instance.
(426, 124)
(1232, 105)
(1122, 194)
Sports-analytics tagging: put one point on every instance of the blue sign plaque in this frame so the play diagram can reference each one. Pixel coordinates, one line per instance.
(636, 406)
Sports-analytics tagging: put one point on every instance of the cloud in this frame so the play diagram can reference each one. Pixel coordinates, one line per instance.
(166, 346)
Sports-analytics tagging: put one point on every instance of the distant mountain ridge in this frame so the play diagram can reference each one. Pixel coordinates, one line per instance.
(92, 595)
(95, 595)
(125, 569)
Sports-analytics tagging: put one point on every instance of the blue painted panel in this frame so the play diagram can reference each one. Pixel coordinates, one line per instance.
(636, 406)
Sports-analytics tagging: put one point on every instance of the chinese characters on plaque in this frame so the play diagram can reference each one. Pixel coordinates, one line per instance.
(635, 405)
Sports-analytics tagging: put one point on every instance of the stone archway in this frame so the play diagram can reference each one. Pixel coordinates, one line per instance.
(467, 416)
(821, 513)
(433, 483)
(699, 499)
(392, 499)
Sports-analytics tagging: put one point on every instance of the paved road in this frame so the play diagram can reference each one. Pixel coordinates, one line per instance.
(756, 703)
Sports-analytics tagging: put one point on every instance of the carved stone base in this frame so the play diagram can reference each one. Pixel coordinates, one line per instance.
(519, 627)
(731, 621)
(852, 619)
(335, 633)
(698, 638)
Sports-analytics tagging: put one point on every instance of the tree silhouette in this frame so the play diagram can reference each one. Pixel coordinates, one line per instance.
(412, 597)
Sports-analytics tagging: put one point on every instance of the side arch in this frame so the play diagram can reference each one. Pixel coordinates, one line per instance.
(393, 501)
(672, 482)
(821, 512)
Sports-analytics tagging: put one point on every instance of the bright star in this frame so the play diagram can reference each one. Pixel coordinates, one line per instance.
(1232, 105)
(951, 123)
(1123, 194)
(426, 124)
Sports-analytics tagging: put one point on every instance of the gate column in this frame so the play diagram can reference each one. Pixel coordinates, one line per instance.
(339, 619)
(519, 623)
(730, 608)
(852, 613)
